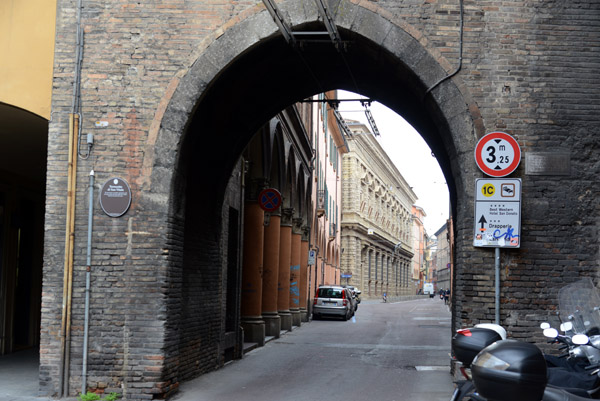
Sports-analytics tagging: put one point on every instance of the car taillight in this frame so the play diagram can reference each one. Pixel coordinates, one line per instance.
(316, 296)
(345, 301)
(465, 332)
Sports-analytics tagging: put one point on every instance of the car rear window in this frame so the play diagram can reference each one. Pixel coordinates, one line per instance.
(330, 293)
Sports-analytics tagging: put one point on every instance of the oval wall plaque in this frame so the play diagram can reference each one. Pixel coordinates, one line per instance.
(115, 197)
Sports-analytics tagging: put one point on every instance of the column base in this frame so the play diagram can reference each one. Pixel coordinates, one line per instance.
(254, 330)
(296, 317)
(286, 320)
(304, 315)
(272, 324)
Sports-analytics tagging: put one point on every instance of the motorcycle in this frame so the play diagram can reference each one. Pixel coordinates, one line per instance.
(564, 378)
(511, 370)
(466, 344)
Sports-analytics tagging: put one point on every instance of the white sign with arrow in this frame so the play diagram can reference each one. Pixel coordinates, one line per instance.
(497, 213)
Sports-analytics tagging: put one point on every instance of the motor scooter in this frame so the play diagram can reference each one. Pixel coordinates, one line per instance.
(511, 370)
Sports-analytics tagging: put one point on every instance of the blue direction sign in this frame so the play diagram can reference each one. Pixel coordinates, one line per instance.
(269, 199)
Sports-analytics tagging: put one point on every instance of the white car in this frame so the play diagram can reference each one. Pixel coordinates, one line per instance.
(334, 300)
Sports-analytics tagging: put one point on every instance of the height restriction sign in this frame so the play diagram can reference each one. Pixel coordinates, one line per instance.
(497, 212)
(497, 154)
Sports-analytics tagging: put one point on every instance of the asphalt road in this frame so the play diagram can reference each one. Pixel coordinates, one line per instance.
(392, 351)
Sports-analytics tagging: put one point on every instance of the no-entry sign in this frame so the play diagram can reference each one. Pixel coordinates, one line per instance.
(497, 154)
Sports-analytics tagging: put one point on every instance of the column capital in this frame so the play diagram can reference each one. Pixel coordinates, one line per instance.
(287, 215)
(254, 187)
(305, 233)
(297, 225)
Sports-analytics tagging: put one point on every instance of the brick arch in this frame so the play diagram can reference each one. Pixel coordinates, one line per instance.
(213, 109)
(450, 104)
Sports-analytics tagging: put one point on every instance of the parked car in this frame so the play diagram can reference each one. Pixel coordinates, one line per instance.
(334, 300)
(356, 292)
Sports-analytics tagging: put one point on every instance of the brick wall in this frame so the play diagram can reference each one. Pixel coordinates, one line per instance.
(528, 69)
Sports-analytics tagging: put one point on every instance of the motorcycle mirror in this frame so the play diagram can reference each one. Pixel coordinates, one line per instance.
(545, 326)
(580, 339)
(568, 326)
(550, 333)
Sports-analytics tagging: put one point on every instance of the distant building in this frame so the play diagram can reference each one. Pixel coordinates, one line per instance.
(328, 147)
(376, 219)
(420, 241)
(441, 259)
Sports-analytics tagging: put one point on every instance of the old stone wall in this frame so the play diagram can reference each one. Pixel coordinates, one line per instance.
(528, 68)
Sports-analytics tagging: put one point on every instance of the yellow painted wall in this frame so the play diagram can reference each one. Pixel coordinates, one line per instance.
(27, 31)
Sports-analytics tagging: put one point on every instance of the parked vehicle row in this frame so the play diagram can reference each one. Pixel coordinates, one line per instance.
(497, 369)
(335, 301)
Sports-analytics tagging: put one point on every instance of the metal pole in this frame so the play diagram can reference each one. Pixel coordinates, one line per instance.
(88, 274)
(497, 285)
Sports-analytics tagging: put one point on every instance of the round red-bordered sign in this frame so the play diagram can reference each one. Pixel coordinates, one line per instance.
(269, 199)
(497, 154)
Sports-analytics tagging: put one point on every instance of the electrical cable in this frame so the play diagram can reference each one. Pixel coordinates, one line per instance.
(460, 57)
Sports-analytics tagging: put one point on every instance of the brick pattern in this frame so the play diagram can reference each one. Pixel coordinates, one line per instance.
(530, 69)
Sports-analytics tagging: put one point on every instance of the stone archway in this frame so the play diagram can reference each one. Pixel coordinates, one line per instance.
(247, 75)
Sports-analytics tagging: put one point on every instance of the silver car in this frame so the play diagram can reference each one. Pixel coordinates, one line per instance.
(334, 300)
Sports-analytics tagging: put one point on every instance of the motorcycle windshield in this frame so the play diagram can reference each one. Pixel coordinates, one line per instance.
(579, 303)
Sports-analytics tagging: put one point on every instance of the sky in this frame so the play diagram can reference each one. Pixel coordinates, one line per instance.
(411, 155)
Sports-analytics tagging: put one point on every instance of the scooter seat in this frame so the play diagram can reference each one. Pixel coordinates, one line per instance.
(558, 394)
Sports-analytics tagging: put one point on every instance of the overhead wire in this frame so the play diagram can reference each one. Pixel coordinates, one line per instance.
(339, 45)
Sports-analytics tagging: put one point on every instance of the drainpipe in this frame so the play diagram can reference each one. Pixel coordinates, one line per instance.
(74, 137)
(65, 346)
(88, 274)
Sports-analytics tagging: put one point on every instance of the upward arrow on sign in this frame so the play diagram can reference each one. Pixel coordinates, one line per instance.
(482, 220)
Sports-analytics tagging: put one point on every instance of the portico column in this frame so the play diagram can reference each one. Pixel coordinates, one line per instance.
(304, 275)
(251, 308)
(285, 259)
(295, 272)
(271, 275)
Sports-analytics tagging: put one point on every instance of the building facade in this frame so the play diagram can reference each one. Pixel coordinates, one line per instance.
(174, 93)
(329, 146)
(376, 219)
(26, 61)
(442, 262)
(277, 216)
(420, 241)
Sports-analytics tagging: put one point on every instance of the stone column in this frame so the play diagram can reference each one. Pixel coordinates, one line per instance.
(285, 259)
(304, 275)
(295, 272)
(271, 275)
(251, 309)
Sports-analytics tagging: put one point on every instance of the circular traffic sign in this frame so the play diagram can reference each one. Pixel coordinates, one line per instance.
(497, 154)
(269, 199)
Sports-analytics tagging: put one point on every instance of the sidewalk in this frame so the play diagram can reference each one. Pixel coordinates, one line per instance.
(19, 376)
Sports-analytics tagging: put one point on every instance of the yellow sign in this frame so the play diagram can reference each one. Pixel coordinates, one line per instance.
(488, 190)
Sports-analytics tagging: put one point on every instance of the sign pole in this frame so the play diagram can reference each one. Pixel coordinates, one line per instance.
(498, 154)
(497, 285)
